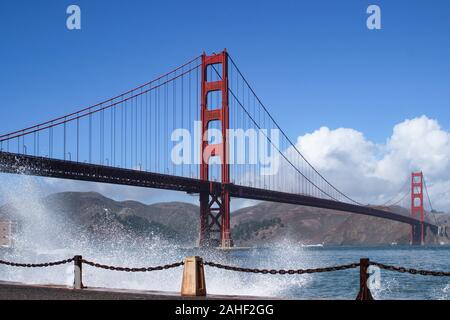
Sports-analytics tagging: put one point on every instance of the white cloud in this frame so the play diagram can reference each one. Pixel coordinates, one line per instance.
(418, 144)
(373, 173)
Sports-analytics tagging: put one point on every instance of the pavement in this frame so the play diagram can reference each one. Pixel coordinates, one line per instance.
(20, 291)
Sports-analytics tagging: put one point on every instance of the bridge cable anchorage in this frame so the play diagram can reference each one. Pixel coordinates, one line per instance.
(290, 141)
(282, 271)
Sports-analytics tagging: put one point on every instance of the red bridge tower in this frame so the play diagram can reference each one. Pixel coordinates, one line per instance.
(215, 204)
(417, 208)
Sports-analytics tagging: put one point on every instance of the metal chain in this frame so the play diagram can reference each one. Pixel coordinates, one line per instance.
(231, 268)
(282, 271)
(145, 269)
(36, 265)
(411, 271)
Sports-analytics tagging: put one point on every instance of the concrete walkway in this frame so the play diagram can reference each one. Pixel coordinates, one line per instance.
(20, 291)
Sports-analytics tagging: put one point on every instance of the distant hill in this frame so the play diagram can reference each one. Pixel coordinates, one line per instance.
(100, 218)
(274, 222)
(103, 219)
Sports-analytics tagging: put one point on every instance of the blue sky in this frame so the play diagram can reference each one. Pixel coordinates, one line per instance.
(313, 63)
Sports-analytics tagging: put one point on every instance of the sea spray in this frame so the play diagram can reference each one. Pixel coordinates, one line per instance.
(46, 235)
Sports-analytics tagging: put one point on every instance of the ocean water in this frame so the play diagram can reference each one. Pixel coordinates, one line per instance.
(333, 285)
(345, 284)
(42, 238)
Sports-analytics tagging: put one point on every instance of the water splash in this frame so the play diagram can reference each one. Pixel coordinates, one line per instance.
(445, 293)
(45, 236)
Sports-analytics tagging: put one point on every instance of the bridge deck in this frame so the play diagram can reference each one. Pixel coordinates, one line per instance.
(45, 167)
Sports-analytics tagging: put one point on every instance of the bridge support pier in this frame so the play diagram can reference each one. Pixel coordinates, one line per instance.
(418, 233)
(215, 219)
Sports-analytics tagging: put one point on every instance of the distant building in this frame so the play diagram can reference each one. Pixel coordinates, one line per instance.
(6, 233)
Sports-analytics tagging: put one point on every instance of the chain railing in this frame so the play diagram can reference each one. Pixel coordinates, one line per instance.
(36, 265)
(124, 269)
(90, 263)
(194, 279)
(282, 271)
(410, 270)
(78, 262)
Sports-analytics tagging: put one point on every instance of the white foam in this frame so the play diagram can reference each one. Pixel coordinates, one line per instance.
(43, 237)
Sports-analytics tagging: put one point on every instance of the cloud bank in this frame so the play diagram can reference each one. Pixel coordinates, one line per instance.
(375, 173)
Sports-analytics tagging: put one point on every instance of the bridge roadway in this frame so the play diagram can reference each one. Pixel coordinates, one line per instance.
(54, 168)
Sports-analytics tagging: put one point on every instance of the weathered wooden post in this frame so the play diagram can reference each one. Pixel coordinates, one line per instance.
(78, 272)
(193, 284)
(364, 291)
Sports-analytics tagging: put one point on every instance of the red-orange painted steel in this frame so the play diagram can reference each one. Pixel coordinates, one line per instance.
(215, 205)
(417, 208)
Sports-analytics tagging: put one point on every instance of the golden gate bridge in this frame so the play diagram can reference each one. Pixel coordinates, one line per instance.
(127, 140)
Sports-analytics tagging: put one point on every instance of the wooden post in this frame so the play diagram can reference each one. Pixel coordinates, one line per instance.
(78, 273)
(193, 284)
(364, 291)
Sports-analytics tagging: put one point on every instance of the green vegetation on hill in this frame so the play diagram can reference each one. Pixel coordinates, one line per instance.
(146, 228)
(246, 230)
